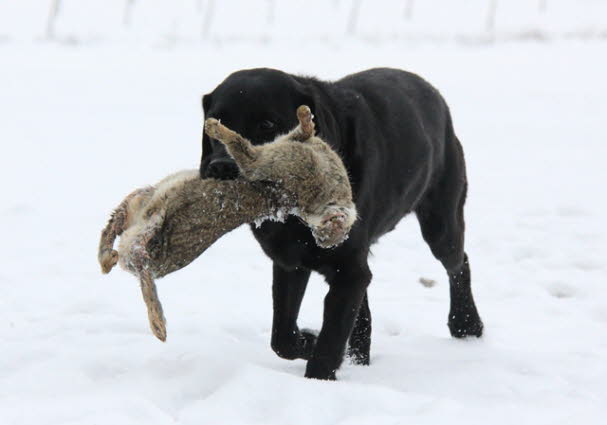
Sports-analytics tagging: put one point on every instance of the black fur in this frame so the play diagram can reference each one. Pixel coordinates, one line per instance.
(394, 133)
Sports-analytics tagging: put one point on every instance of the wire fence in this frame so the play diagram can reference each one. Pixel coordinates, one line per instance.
(320, 20)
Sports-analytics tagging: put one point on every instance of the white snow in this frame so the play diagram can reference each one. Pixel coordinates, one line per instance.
(81, 126)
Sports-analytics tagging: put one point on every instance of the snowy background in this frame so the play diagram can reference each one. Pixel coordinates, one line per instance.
(104, 96)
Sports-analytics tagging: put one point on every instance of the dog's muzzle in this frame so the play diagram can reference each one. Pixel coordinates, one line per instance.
(222, 169)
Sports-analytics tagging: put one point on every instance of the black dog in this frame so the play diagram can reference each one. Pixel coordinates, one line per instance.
(395, 135)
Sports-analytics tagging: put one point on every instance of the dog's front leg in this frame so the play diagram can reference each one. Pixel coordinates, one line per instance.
(348, 285)
(288, 288)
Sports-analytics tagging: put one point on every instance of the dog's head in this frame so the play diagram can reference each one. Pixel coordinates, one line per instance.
(259, 104)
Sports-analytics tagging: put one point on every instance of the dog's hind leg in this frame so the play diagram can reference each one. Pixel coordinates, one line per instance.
(441, 217)
(359, 345)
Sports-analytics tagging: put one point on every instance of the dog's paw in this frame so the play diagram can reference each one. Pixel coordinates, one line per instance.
(298, 345)
(307, 343)
(462, 325)
(358, 358)
(359, 351)
(317, 369)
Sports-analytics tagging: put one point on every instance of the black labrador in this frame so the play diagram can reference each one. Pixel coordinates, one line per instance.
(395, 135)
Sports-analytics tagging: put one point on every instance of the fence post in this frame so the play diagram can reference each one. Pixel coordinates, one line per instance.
(271, 13)
(128, 7)
(208, 19)
(490, 26)
(353, 18)
(409, 9)
(52, 17)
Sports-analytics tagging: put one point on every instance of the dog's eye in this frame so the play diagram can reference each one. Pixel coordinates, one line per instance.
(266, 125)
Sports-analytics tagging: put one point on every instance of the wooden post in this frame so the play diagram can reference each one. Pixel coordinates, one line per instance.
(490, 26)
(52, 17)
(126, 17)
(208, 19)
(409, 9)
(353, 18)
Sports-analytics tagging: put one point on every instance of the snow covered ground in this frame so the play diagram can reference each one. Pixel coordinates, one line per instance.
(82, 126)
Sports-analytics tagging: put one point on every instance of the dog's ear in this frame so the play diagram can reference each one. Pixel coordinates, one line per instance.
(206, 102)
(206, 141)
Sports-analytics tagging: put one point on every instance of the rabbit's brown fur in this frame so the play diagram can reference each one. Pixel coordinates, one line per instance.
(165, 227)
(301, 164)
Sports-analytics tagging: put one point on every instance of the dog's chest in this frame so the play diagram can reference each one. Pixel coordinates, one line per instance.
(290, 244)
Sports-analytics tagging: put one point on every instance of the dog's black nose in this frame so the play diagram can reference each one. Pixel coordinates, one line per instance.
(222, 169)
